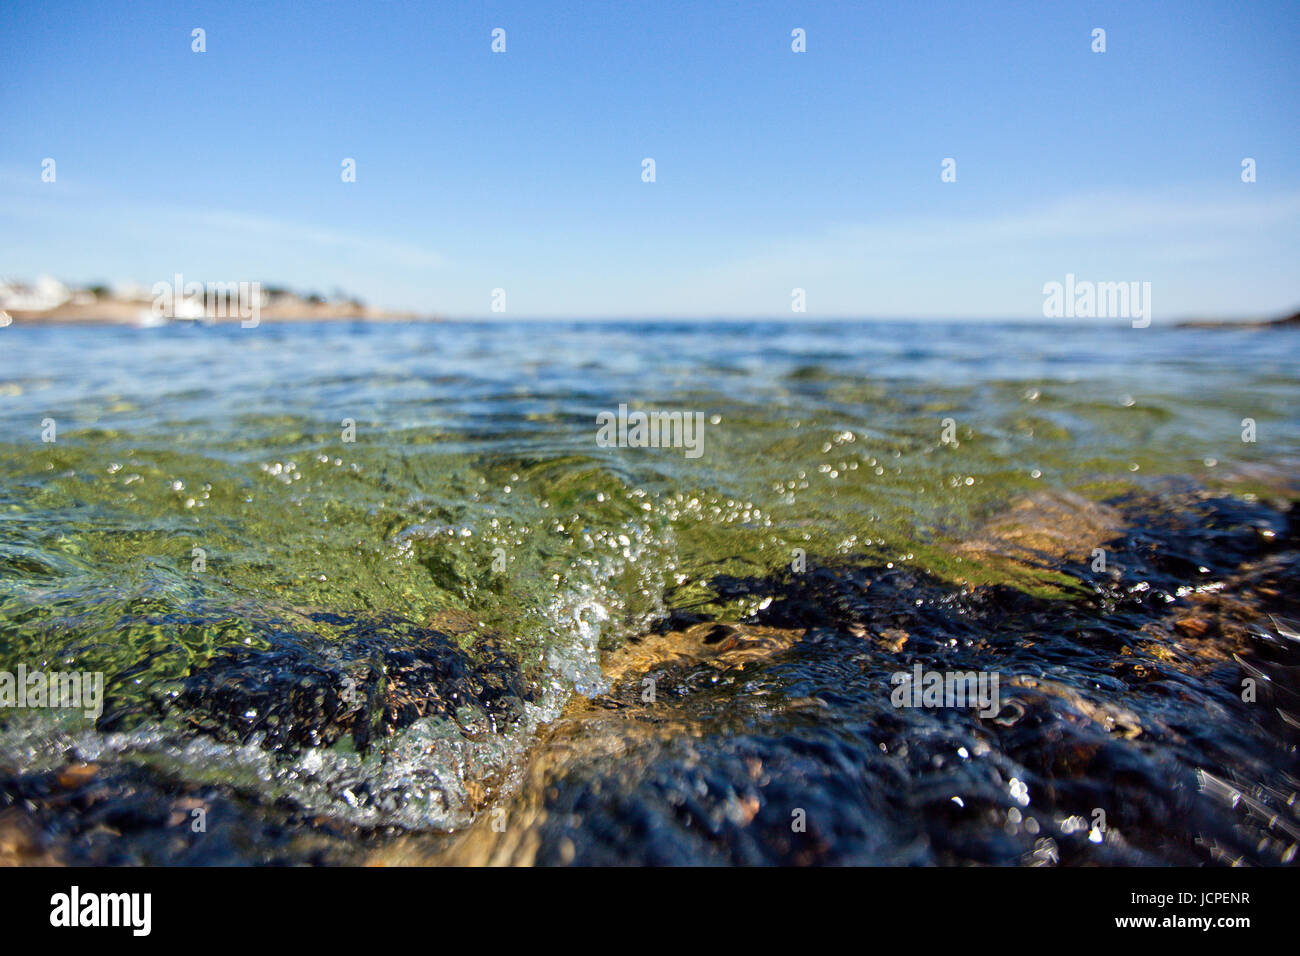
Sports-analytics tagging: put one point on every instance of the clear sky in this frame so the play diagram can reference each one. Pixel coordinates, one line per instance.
(774, 169)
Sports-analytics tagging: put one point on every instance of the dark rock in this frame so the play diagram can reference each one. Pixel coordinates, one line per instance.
(382, 675)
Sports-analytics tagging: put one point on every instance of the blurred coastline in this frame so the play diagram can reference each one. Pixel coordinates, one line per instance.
(47, 301)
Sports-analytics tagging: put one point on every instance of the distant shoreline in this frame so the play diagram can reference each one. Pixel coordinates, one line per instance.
(1289, 321)
(139, 314)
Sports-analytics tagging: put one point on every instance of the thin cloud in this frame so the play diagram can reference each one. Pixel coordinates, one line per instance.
(241, 226)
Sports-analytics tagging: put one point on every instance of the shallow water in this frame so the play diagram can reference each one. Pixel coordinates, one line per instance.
(475, 502)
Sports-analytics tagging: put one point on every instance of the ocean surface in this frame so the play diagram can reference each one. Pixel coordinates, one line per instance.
(355, 591)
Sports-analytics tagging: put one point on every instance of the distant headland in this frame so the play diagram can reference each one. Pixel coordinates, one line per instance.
(1288, 321)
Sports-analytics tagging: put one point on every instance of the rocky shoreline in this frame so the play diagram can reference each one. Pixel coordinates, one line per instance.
(1286, 322)
(1127, 700)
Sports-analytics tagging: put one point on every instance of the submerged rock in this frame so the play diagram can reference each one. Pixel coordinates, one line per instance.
(1119, 738)
(319, 747)
(130, 815)
(1047, 528)
(719, 644)
(383, 675)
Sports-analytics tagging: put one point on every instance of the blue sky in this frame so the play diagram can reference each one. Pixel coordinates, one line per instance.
(775, 170)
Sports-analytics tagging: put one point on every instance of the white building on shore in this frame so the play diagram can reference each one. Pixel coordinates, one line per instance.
(45, 294)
